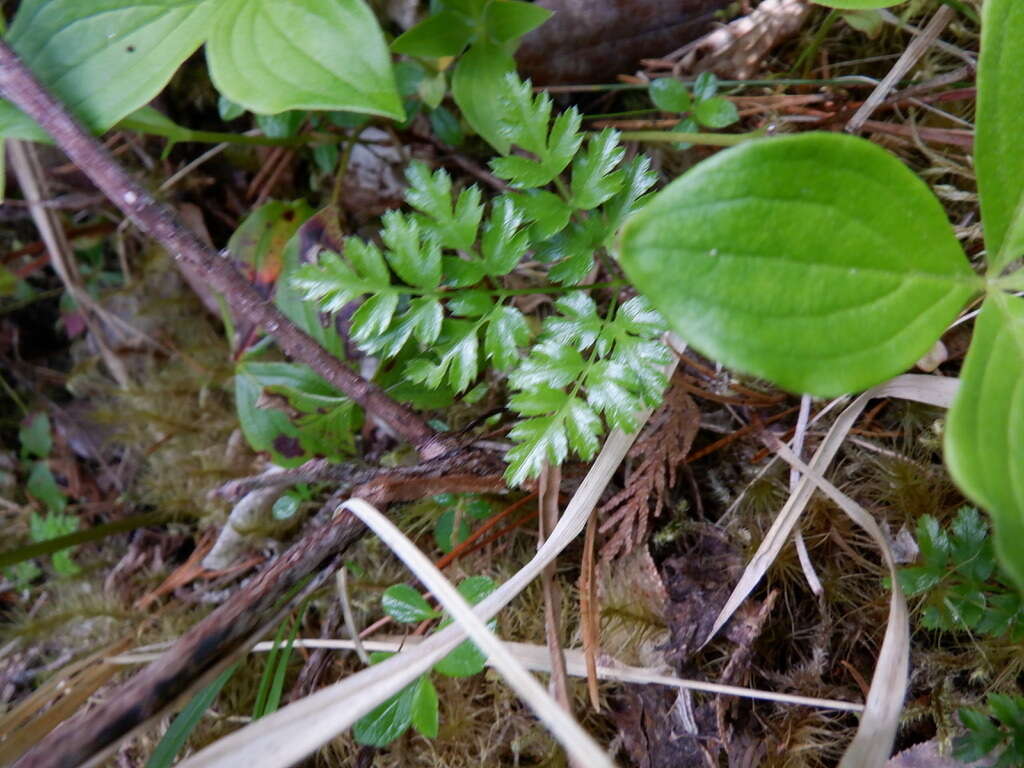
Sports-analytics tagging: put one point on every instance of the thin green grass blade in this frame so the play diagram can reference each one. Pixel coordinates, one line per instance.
(186, 721)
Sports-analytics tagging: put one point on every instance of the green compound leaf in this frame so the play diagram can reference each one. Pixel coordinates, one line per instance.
(476, 73)
(275, 55)
(504, 241)
(412, 254)
(104, 59)
(999, 125)
(405, 605)
(985, 428)
(816, 261)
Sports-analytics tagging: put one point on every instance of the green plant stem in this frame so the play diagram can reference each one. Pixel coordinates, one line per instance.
(179, 134)
(50, 546)
(11, 393)
(707, 139)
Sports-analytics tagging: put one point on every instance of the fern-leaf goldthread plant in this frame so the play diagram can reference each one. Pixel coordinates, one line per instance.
(440, 290)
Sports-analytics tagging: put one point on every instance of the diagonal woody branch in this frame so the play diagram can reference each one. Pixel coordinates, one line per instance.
(20, 86)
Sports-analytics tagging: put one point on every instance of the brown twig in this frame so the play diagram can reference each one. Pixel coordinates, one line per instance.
(20, 86)
(160, 684)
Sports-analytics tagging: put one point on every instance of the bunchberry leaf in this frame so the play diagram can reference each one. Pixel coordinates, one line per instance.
(536, 402)
(638, 181)
(505, 240)
(548, 212)
(549, 364)
(431, 194)
(986, 421)
(506, 332)
(852, 228)
(526, 126)
(538, 440)
(413, 257)
(594, 178)
(337, 281)
(373, 317)
(670, 95)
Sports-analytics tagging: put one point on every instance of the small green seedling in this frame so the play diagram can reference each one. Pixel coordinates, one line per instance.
(416, 705)
(704, 109)
(36, 445)
(821, 263)
(1000, 729)
(961, 585)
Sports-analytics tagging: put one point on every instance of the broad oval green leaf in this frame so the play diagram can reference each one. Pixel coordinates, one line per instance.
(998, 128)
(405, 605)
(274, 55)
(475, 84)
(444, 34)
(985, 428)
(106, 58)
(816, 261)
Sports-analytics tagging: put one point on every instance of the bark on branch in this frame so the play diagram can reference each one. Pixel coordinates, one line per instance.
(20, 86)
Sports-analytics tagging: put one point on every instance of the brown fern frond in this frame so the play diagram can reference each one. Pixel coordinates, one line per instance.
(660, 450)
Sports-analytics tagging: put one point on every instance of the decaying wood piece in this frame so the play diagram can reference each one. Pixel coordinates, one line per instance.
(588, 41)
(738, 50)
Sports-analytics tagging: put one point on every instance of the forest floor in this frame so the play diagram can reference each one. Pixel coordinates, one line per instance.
(128, 433)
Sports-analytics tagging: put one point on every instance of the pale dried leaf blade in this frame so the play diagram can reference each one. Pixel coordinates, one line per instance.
(931, 390)
(877, 731)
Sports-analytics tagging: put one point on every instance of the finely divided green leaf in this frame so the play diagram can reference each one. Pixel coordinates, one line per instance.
(504, 240)
(275, 55)
(431, 194)
(445, 33)
(414, 257)
(817, 261)
(999, 125)
(107, 58)
(506, 332)
(985, 427)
